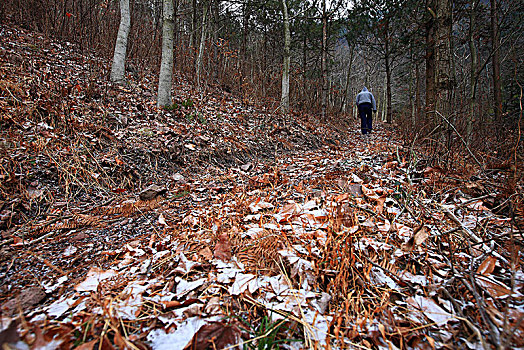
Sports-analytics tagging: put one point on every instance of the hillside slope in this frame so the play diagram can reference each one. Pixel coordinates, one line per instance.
(128, 226)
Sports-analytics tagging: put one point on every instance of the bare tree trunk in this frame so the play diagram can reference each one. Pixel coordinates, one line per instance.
(216, 9)
(430, 61)
(323, 98)
(193, 23)
(304, 56)
(166, 65)
(119, 57)
(495, 42)
(384, 103)
(473, 71)
(202, 43)
(345, 97)
(417, 92)
(412, 86)
(284, 102)
(444, 68)
(388, 74)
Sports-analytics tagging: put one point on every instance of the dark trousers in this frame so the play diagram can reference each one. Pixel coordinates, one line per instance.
(365, 111)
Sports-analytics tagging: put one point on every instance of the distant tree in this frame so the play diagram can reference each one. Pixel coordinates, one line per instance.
(202, 44)
(119, 57)
(326, 15)
(166, 66)
(495, 43)
(385, 34)
(473, 67)
(284, 102)
(444, 72)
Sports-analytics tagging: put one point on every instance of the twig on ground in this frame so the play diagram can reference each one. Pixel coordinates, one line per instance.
(461, 138)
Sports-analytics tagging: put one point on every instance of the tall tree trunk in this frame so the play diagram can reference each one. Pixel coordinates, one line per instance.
(284, 102)
(384, 103)
(430, 61)
(444, 72)
(495, 42)
(193, 23)
(119, 56)
(166, 66)
(304, 55)
(389, 118)
(412, 85)
(345, 97)
(245, 28)
(242, 59)
(216, 9)
(202, 44)
(323, 98)
(473, 70)
(417, 93)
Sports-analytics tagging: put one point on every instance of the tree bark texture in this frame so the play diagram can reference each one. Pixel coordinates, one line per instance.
(430, 60)
(284, 102)
(417, 93)
(473, 70)
(495, 42)
(193, 23)
(389, 118)
(444, 72)
(323, 97)
(345, 97)
(119, 56)
(166, 66)
(202, 44)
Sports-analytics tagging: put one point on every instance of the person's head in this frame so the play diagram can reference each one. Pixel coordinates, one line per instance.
(365, 89)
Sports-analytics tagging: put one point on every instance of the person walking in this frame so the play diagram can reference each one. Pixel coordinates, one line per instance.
(366, 105)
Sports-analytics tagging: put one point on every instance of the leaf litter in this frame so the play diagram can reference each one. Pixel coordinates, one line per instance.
(221, 225)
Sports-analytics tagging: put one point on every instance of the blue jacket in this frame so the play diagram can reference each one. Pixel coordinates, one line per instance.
(366, 96)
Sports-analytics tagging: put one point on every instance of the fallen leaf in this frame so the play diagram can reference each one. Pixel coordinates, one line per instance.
(487, 266)
(162, 220)
(379, 208)
(417, 239)
(27, 298)
(88, 346)
(93, 279)
(9, 335)
(169, 304)
(495, 288)
(215, 335)
(382, 330)
(222, 248)
(421, 235)
(206, 253)
(430, 309)
(152, 192)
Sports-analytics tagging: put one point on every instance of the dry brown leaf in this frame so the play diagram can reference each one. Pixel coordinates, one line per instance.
(169, 304)
(421, 235)
(88, 346)
(223, 248)
(341, 197)
(27, 298)
(382, 330)
(487, 266)
(9, 335)
(215, 335)
(206, 253)
(417, 239)
(495, 288)
(379, 208)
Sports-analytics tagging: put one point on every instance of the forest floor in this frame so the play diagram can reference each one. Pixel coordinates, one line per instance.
(217, 224)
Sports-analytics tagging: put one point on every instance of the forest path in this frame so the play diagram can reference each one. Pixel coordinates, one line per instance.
(128, 226)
